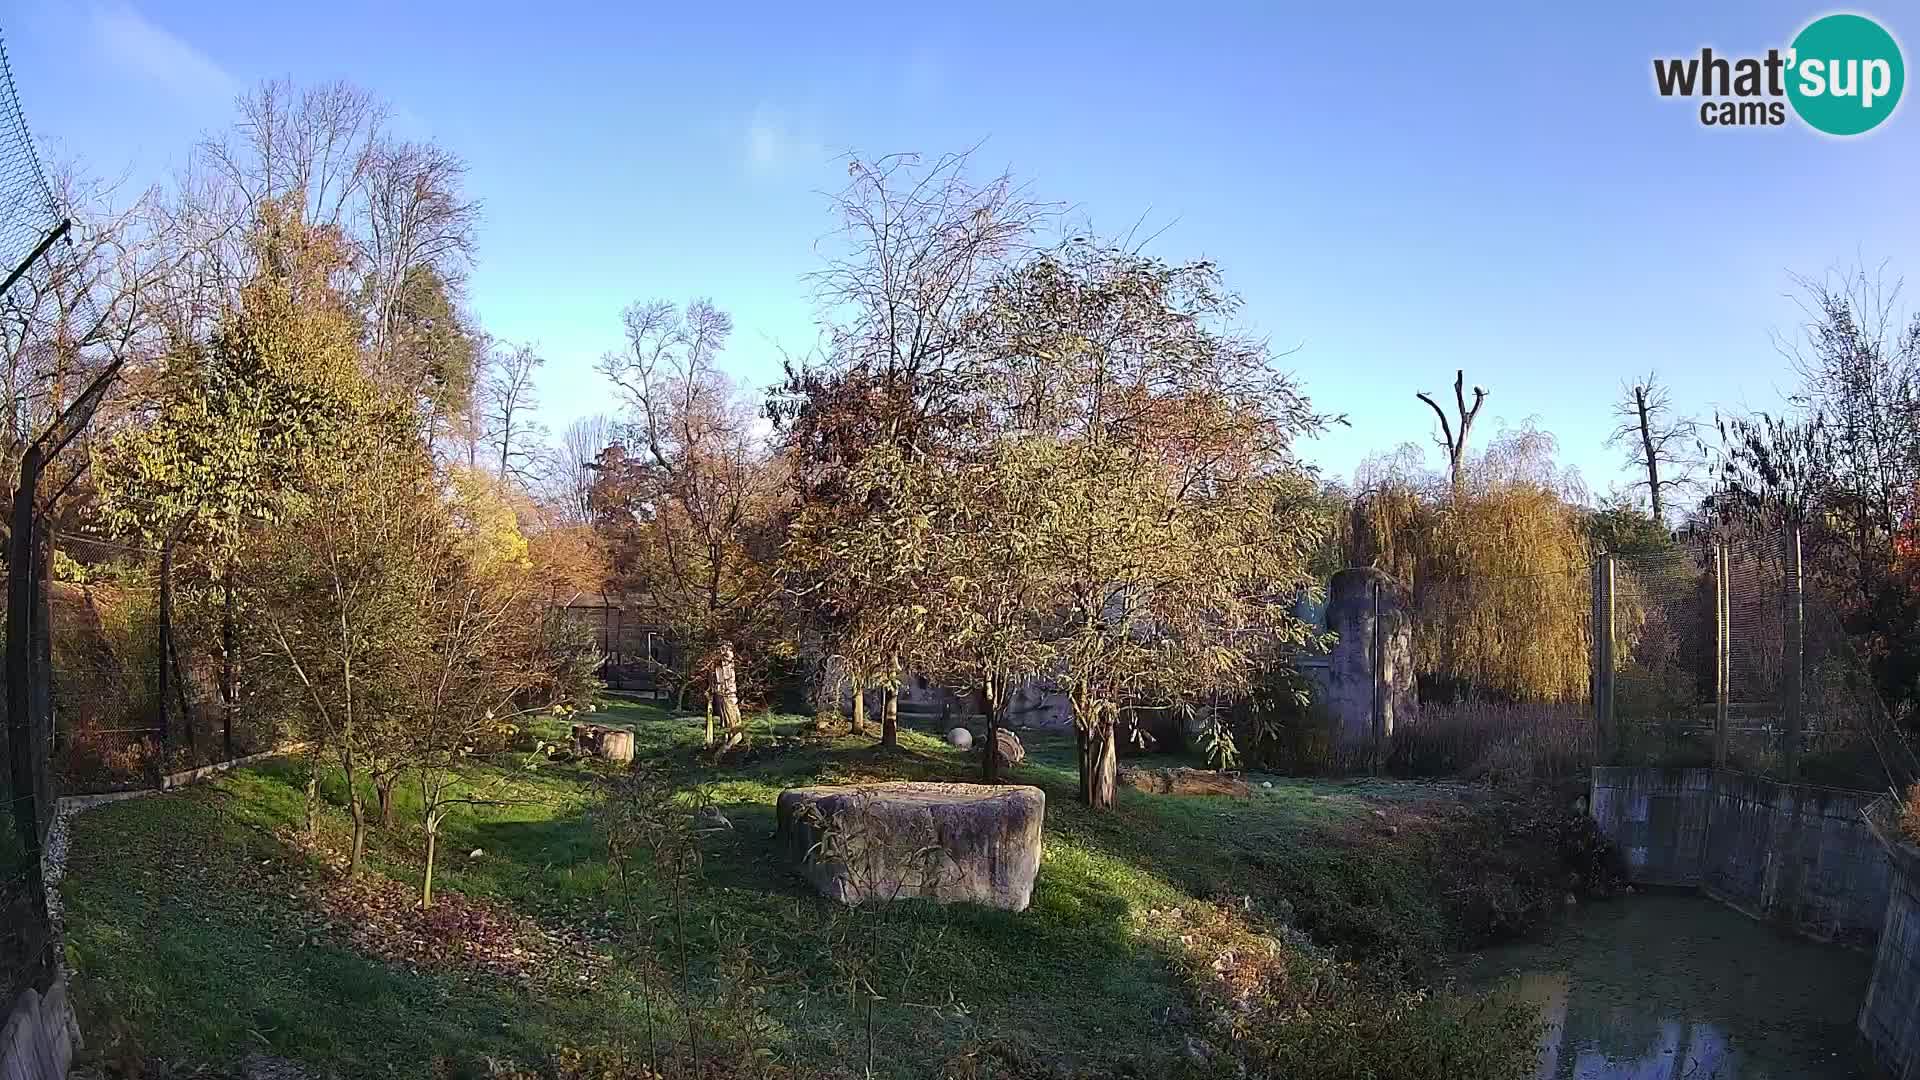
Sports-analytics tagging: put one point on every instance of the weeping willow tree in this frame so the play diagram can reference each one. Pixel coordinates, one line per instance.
(1498, 568)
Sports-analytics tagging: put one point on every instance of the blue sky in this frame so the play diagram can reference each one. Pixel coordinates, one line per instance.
(1398, 191)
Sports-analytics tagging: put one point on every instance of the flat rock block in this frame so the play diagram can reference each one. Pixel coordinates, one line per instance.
(1184, 781)
(950, 843)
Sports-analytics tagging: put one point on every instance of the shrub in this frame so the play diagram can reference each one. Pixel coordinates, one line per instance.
(570, 657)
(1910, 814)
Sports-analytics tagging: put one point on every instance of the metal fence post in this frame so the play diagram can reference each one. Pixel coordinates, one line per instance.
(24, 763)
(1722, 654)
(1795, 650)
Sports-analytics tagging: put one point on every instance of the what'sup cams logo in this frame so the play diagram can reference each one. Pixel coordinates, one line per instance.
(1842, 75)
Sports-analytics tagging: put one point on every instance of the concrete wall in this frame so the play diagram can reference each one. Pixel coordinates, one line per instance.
(1893, 997)
(1799, 855)
(1350, 677)
(40, 1035)
(1657, 818)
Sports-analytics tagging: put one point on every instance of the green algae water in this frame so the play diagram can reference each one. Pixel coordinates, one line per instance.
(1679, 987)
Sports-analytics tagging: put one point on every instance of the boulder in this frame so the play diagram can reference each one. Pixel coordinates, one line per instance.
(1183, 781)
(1010, 751)
(960, 738)
(950, 843)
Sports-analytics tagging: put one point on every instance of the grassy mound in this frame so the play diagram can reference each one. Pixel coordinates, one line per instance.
(1171, 935)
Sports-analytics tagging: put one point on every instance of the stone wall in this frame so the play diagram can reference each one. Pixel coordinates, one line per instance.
(40, 1036)
(1893, 997)
(1799, 855)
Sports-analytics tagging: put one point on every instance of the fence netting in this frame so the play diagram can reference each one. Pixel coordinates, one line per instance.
(1717, 626)
(29, 214)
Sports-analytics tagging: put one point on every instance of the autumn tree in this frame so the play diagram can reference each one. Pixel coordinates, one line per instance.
(1842, 464)
(229, 426)
(1189, 522)
(1497, 568)
(976, 530)
(695, 493)
(346, 607)
(1662, 449)
(917, 245)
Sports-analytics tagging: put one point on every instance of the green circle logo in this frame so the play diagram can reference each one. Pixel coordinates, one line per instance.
(1845, 74)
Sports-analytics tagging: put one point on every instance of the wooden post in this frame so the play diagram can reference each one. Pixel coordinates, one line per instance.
(1795, 650)
(1606, 721)
(1722, 654)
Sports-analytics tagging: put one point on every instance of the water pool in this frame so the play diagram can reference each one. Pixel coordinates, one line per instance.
(1680, 987)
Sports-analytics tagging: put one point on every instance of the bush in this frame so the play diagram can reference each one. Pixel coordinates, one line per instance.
(570, 657)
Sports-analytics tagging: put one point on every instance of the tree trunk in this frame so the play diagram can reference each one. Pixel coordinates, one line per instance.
(890, 716)
(1098, 763)
(990, 766)
(859, 722)
(426, 882)
(166, 635)
(726, 687)
(313, 799)
(358, 808)
(180, 695)
(1653, 458)
(229, 662)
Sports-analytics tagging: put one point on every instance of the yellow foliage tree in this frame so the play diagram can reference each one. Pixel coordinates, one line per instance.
(1498, 568)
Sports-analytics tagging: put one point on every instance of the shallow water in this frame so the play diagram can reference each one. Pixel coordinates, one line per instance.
(1683, 988)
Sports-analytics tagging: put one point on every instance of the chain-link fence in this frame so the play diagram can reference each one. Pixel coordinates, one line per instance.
(1723, 653)
(30, 220)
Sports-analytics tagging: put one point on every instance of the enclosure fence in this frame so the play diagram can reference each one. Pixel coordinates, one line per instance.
(1717, 653)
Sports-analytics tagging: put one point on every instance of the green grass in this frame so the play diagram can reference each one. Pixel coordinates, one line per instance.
(180, 955)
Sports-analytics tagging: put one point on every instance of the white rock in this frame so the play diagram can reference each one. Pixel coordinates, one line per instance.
(960, 738)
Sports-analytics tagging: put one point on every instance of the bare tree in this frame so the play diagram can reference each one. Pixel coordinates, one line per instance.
(1662, 447)
(1456, 446)
(510, 400)
(908, 276)
(573, 461)
(415, 217)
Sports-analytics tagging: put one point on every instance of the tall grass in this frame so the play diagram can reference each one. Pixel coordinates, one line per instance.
(1483, 740)
(1469, 740)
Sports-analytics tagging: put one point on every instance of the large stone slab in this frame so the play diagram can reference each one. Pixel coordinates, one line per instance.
(950, 843)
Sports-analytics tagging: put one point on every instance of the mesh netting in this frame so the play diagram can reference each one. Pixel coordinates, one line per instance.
(28, 209)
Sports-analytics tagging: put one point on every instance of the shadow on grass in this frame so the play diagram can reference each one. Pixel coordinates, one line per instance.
(186, 950)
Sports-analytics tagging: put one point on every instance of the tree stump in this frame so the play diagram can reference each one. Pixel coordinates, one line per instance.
(1009, 748)
(616, 746)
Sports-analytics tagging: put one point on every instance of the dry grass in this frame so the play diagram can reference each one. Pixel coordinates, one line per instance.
(1480, 740)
